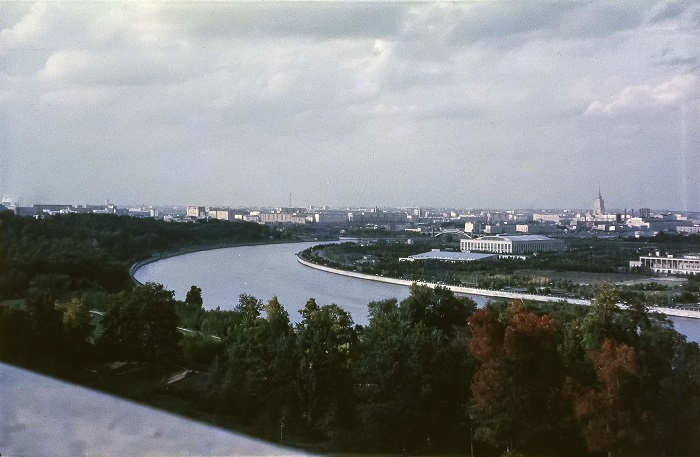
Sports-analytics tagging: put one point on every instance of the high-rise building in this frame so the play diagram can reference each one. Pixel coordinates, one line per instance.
(599, 205)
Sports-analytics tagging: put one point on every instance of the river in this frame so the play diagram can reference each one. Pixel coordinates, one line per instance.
(267, 270)
(264, 271)
(44, 416)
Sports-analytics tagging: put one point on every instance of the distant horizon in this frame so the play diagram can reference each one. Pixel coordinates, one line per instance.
(363, 207)
(470, 104)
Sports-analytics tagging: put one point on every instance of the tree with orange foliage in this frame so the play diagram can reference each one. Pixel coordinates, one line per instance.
(609, 413)
(515, 388)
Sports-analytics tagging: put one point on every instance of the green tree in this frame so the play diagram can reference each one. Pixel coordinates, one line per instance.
(245, 378)
(411, 382)
(437, 308)
(142, 325)
(280, 405)
(76, 320)
(77, 327)
(606, 321)
(194, 297)
(14, 336)
(260, 367)
(413, 372)
(324, 344)
(45, 328)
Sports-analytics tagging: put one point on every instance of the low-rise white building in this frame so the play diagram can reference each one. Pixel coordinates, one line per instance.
(536, 228)
(542, 217)
(512, 244)
(686, 265)
(692, 229)
(282, 218)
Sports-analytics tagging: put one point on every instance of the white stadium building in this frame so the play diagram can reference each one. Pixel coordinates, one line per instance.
(512, 244)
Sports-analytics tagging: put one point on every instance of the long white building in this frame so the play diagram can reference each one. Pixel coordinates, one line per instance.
(512, 244)
(686, 265)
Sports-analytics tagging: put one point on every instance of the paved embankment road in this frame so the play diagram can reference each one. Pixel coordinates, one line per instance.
(484, 292)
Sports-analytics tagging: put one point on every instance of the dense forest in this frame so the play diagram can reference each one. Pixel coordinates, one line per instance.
(430, 374)
(72, 252)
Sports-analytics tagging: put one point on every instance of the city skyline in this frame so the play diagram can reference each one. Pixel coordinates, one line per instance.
(462, 105)
(11, 203)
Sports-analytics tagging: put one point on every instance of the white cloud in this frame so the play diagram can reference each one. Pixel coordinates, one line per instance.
(440, 91)
(121, 66)
(27, 30)
(640, 98)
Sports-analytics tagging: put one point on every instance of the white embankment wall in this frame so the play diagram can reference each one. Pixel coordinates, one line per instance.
(485, 292)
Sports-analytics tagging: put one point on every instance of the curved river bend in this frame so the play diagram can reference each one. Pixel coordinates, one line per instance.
(272, 269)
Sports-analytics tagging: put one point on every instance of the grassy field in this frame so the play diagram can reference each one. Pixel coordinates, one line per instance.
(582, 277)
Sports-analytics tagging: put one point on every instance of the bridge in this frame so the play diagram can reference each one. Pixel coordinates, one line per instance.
(453, 231)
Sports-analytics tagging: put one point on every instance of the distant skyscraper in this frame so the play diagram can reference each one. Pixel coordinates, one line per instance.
(599, 205)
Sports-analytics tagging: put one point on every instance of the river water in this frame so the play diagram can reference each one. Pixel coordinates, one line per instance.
(264, 271)
(272, 269)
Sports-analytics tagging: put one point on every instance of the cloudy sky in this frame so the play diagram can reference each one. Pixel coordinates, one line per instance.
(466, 104)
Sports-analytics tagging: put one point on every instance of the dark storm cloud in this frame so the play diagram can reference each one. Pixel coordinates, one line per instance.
(511, 23)
(690, 63)
(500, 21)
(669, 10)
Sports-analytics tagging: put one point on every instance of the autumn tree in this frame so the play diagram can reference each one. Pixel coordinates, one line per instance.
(609, 413)
(515, 386)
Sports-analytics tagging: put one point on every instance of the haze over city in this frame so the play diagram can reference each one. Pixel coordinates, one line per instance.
(460, 104)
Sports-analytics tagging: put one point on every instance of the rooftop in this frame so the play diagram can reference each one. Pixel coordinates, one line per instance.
(515, 238)
(451, 256)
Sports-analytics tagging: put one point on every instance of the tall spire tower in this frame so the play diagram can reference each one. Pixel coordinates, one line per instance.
(599, 205)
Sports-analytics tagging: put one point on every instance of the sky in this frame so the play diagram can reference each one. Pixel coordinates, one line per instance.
(465, 104)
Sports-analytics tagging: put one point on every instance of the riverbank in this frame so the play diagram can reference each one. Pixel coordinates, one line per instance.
(182, 251)
(484, 292)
